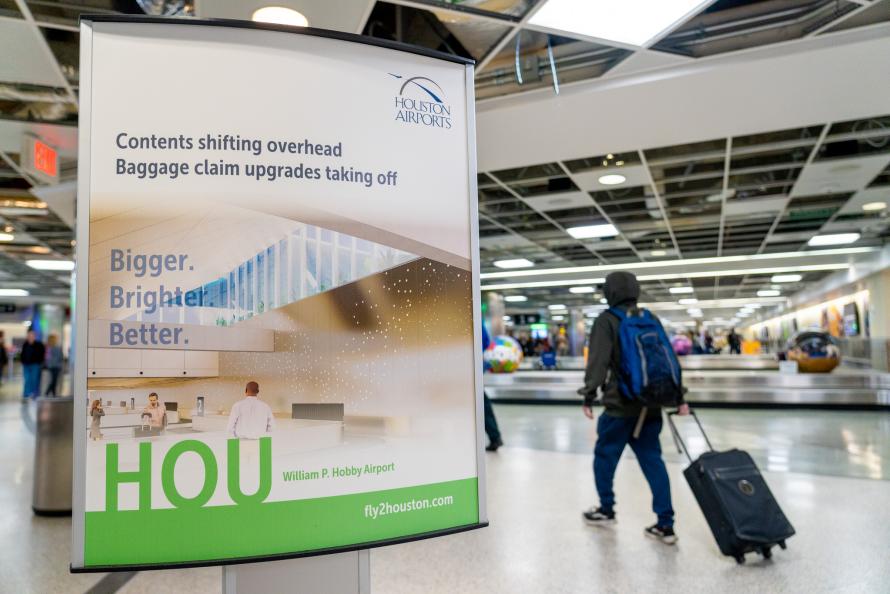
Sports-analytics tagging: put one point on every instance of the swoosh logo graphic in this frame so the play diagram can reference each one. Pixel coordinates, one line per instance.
(425, 88)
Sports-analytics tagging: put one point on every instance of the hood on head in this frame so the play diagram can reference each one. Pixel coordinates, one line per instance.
(621, 287)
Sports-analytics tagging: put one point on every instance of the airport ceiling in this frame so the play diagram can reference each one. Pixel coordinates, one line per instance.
(748, 194)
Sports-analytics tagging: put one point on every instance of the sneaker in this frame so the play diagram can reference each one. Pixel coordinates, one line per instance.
(663, 533)
(598, 517)
(493, 446)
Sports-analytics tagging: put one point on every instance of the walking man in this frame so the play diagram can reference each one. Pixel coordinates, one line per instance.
(627, 420)
(32, 357)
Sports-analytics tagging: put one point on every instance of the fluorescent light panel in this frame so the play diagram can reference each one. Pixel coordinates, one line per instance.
(634, 22)
(786, 278)
(686, 262)
(515, 298)
(6, 237)
(581, 290)
(612, 179)
(51, 264)
(280, 15)
(670, 276)
(556, 306)
(515, 263)
(681, 290)
(13, 293)
(687, 301)
(592, 231)
(833, 239)
(768, 293)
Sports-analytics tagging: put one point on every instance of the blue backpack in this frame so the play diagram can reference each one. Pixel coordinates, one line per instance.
(649, 369)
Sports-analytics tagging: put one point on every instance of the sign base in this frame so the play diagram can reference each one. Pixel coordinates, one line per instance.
(341, 573)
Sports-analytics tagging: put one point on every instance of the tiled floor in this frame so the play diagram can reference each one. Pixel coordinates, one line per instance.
(536, 543)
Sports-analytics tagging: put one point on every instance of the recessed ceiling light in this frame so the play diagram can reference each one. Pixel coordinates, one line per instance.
(590, 231)
(659, 253)
(515, 263)
(555, 307)
(581, 290)
(6, 237)
(628, 21)
(604, 301)
(768, 293)
(833, 239)
(688, 301)
(786, 278)
(13, 293)
(508, 318)
(515, 298)
(612, 179)
(51, 264)
(869, 206)
(280, 16)
(681, 290)
(557, 318)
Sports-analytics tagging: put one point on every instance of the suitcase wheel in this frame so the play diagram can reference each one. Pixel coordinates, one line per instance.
(767, 552)
(740, 559)
(782, 545)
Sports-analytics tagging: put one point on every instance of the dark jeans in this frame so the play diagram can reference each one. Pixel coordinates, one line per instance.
(613, 434)
(31, 373)
(491, 423)
(53, 380)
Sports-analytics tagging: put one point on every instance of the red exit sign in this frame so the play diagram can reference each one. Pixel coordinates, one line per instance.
(46, 159)
(40, 160)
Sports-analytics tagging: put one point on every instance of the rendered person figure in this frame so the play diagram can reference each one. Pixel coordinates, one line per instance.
(96, 414)
(250, 418)
(54, 362)
(156, 412)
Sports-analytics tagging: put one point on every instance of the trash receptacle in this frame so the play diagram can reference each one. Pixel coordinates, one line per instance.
(53, 456)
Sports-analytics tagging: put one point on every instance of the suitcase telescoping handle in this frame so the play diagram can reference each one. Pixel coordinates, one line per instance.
(681, 445)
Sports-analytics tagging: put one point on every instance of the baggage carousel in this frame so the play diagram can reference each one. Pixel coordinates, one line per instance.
(752, 382)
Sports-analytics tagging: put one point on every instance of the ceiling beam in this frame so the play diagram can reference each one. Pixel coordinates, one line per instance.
(44, 45)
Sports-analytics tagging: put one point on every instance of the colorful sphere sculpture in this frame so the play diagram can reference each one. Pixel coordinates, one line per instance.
(815, 351)
(682, 344)
(503, 355)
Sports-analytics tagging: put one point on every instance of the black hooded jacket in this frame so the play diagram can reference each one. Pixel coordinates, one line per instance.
(604, 351)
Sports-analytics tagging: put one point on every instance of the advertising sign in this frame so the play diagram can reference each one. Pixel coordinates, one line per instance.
(278, 279)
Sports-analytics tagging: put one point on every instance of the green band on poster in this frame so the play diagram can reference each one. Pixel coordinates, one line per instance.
(167, 536)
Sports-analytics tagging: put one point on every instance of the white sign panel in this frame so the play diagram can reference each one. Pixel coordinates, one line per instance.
(277, 271)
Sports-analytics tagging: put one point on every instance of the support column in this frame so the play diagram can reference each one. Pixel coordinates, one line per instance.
(340, 573)
(878, 286)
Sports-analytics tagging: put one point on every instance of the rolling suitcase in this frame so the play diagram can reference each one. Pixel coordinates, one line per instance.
(735, 500)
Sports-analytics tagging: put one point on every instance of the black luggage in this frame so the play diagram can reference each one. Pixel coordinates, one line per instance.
(735, 500)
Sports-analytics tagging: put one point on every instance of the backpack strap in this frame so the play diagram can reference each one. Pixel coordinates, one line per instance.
(617, 312)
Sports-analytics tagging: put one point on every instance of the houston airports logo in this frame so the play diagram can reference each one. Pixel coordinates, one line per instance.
(421, 101)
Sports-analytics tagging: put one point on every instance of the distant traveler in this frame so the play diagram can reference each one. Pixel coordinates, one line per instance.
(96, 414)
(250, 418)
(32, 356)
(625, 421)
(735, 342)
(53, 363)
(156, 412)
(4, 357)
(491, 422)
